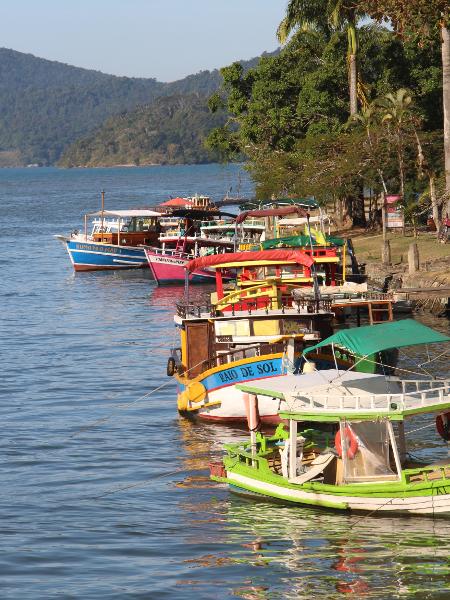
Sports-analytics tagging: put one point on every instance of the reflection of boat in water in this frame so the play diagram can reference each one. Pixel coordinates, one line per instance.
(368, 469)
(334, 553)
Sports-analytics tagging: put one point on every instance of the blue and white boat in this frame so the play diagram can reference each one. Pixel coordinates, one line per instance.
(116, 240)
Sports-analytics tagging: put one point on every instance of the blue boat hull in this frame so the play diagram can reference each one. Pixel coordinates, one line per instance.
(92, 256)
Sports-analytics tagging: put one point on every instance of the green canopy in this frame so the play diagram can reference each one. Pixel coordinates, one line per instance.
(364, 341)
(297, 241)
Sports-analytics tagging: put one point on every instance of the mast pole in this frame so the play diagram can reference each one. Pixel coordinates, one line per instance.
(313, 267)
(103, 212)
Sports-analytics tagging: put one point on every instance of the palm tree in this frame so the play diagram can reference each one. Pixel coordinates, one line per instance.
(320, 15)
(397, 112)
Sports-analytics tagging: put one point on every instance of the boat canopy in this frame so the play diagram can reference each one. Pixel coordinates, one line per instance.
(233, 259)
(303, 220)
(310, 203)
(272, 212)
(298, 240)
(370, 339)
(123, 214)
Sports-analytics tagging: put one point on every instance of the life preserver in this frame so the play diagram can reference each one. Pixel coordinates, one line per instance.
(443, 426)
(352, 443)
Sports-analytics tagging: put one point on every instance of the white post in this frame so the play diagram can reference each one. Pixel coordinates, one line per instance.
(118, 231)
(292, 449)
(401, 440)
(251, 410)
(394, 449)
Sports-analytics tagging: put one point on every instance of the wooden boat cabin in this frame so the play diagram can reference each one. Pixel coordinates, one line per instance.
(136, 227)
(247, 320)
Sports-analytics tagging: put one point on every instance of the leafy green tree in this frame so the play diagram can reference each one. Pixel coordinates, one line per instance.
(419, 19)
(319, 15)
(397, 114)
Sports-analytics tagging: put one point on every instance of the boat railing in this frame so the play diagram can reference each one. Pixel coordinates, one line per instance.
(246, 457)
(250, 306)
(171, 252)
(299, 292)
(223, 358)
(238, 354)
(426, 474)
(418, 385)
(424, 396)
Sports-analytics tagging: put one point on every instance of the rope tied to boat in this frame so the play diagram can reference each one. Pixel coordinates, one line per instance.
(123, 406)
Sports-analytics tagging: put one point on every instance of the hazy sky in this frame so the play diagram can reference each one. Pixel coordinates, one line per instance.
(166, 39)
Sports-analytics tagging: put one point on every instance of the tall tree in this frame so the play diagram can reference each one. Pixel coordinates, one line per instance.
(320, 15)
(397, 113)
(420, 19)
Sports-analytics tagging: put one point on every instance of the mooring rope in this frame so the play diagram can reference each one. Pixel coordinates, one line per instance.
(123, 406)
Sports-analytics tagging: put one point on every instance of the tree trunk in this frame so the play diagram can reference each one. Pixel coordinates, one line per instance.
(434, 205)
(353, 84)
(446, 97)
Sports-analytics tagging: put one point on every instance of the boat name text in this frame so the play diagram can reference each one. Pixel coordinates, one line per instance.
(247, 371)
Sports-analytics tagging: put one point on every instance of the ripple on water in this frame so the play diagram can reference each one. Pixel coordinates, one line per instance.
(103, 495)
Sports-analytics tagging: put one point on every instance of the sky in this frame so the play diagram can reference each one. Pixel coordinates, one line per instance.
(165, 39)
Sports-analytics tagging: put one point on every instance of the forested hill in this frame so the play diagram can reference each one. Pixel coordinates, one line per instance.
(45, 105)
(171, 130)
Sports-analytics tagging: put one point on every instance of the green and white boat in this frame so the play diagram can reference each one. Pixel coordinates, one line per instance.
(342, 441)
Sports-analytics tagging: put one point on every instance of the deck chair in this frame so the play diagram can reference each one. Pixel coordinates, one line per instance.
(316, 468)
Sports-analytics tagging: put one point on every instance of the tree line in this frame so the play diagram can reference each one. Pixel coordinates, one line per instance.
(347, 105)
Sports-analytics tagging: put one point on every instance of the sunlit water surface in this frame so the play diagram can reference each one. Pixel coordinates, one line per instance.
(104, 490)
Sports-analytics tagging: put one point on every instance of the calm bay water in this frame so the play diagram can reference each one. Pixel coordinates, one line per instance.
(104, 492)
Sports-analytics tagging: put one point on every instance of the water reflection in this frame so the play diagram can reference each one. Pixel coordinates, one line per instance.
(334, 553)
(261, 550)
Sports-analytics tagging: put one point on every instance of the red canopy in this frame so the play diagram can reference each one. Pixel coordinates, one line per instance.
(272, 212)
(177, 202)
(281, 256)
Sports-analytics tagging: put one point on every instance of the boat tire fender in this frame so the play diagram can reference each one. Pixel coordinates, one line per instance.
(443, 426)
(171, 367)
(352, 443)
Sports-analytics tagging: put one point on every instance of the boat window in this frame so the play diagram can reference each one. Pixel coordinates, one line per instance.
(368, 456)
(237, 327)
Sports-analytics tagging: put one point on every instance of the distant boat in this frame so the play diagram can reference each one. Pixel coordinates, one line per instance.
(115, 242)
(196, 231)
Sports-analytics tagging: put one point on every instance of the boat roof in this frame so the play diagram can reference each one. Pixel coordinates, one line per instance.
(198, 213)
(306, 202)
(384, 336)
(258, 258)
(272, 212)
(298, 241)
(181, 202)
(332, 395)
(304, 220)
(131, 212)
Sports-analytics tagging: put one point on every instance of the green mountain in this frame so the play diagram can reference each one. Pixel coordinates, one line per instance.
(45, 106)
(171, 130)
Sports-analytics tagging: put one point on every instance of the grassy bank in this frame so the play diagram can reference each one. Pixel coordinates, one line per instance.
(368, 247)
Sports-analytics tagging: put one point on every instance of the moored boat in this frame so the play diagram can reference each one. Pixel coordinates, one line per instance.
(198, 233)
(350, 451)
(116, 240)
(245, 334)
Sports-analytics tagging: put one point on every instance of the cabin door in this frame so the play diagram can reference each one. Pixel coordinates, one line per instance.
(199, 344)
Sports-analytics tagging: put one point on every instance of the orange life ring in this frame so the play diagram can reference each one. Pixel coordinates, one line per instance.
(443, 426)
(352, 443)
